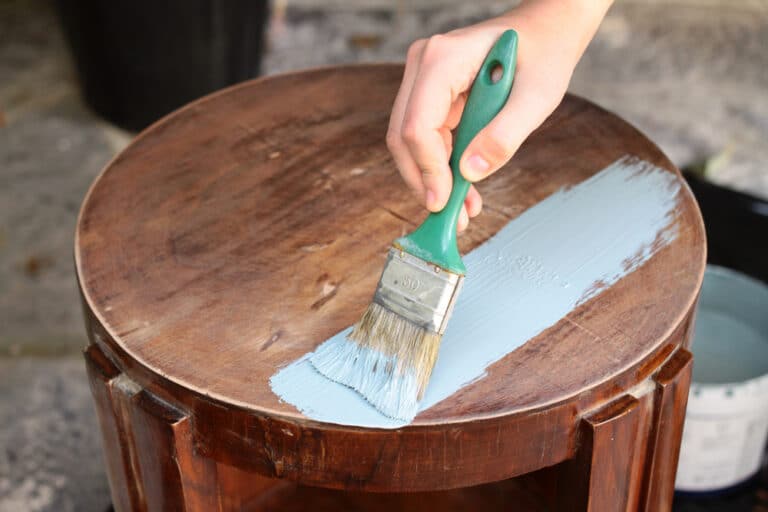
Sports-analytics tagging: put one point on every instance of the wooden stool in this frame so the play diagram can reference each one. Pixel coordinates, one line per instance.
(233, 236)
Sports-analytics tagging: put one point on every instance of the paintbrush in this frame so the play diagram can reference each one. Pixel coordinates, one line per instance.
(389, 354)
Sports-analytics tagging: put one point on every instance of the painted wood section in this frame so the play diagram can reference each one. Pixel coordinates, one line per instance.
(672, 385)
(520, 284)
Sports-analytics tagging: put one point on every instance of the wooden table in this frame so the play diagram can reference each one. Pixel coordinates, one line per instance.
(233, 236)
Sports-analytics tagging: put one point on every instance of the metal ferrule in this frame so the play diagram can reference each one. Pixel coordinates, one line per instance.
(420, 292)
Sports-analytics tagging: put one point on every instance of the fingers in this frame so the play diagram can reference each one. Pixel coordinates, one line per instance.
(405, 164)
(473, 202)
(463, 220)
(445, 133)
(471, 208)
(454, 115)
(526, 108)
(428, 107)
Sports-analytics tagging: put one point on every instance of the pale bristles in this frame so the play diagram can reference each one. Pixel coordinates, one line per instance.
(386, 358)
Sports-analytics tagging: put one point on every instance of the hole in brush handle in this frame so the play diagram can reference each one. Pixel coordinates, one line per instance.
(496, 72)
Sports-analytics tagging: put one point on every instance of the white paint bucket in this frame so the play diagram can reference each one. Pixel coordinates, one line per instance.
(727, 418)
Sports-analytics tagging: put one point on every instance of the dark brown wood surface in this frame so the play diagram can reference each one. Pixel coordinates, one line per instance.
(235, 235)
(154, 462)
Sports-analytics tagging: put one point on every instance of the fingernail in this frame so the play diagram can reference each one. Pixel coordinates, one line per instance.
(430, 199)
(477, 166)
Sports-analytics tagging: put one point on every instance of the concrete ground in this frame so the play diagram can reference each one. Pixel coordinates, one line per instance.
(692, 74)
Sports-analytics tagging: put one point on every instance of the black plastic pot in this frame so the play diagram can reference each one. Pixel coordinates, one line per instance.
(736, 225)
(137, 60)
(737, 237)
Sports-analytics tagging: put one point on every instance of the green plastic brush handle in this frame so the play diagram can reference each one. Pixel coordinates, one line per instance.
(435, 240)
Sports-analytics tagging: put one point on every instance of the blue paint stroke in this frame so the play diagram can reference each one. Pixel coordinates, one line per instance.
(555, 256)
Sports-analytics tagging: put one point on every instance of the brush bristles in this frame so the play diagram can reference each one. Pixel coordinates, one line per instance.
(385, 358)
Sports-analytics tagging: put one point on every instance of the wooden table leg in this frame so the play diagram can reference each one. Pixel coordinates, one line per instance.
(110, 396)
(627, 457)
(151, 460)
(671, 398)
(599, 479)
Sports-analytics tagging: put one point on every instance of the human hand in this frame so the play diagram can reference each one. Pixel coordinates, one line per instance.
(439, 72)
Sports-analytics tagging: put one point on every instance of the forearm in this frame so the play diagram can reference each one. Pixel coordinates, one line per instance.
(574, 21)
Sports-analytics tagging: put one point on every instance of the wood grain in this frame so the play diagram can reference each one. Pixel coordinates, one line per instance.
(235, 235)
(122, 471)
(672, 382)
(598, 478)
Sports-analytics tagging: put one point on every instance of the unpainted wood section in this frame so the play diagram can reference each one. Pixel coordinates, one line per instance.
(672, 386)
(199, 479)
(281, 496)
(638, 469)
(628, 450)
(117, 445)
(240, 490)
(152, 428)
(173, 476)
(240, 232)
(148, 445)
(639, 375)
(599, 478)
(388, 460)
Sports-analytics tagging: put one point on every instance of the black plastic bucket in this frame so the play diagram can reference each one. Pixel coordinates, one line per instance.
(737, 238)
(138, 60)
(736, 225)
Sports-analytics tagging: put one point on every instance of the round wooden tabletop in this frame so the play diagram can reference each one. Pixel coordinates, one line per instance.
(235, 235)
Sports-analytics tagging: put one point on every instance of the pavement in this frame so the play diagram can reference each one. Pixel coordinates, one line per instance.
(691, 74)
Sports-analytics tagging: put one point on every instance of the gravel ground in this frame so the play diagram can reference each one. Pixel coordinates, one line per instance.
(50, 453)
(691, 74)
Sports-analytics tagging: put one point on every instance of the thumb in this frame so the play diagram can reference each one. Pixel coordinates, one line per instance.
(500, 139)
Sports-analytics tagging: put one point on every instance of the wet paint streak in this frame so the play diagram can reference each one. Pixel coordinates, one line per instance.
(556, 255)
